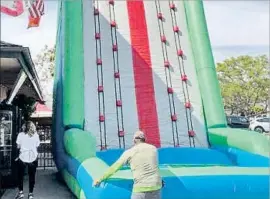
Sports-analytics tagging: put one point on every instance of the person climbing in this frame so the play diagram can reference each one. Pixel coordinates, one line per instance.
(143, 161)
(27, 142)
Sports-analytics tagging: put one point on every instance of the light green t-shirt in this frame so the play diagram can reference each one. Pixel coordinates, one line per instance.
(143, 161)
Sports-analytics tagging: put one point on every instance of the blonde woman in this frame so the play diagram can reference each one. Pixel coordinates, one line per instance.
(28, 142)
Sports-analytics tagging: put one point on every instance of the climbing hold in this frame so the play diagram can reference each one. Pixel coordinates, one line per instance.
(111, 2)
(100, 89)
(113, 24)
(177, 145)
(163, 39)
(191, 133)
(97, 35)
(116, 74)
(103, 148)
(99, 62)
(167, 64)
(170, 90)
(188, 105)
(184, 77)
(101, 118)
(96, 11)
(176, 29)
(115, 48)
(174, 117)
(118, 103)
(180, 53)
(121, 133)
(160, 16)
(172, 6)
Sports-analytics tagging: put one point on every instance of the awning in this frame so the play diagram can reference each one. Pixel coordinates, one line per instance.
(41, 111)
(17, 72)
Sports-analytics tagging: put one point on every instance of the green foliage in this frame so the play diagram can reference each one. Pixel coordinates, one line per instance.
(45, 61)
(245, 83)
(45, 64)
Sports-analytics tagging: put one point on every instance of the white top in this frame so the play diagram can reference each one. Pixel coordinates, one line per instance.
(28, 147)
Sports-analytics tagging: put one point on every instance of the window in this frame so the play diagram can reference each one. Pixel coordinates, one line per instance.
(264, 120)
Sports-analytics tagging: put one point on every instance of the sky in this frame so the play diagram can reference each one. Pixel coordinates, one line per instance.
(235, 28)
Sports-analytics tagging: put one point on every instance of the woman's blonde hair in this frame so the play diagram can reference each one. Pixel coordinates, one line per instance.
(29, 128)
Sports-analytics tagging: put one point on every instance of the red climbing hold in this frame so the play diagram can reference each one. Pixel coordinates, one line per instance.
(116, 74)
(111, 2)
(188, 105)
(113, 24)
(97, 35)
(115, 48)
(118, 103)
(96, 11)
(160, 16)
(167, 64)
(100, 88)
(163, 39)
(99, 61)
(174, 118)
(103, 148)
(191, 133)
(180, 53)
(172, 6)
(170, 90)
(121, 133)
(101, 118)
(184, 78)
(176, 29)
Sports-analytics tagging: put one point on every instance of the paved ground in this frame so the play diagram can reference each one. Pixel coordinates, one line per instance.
(47, 187)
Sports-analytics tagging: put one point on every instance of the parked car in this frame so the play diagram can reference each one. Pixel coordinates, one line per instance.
(260, 125)
(253, 117)
(238, 122)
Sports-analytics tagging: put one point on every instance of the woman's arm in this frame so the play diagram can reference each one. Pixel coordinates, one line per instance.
(37, 140)
(18, 141)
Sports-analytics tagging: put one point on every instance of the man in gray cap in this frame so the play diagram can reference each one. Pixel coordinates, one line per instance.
(143, 161)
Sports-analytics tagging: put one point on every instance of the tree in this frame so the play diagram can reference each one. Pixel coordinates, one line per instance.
(245, 84)
(45, 63)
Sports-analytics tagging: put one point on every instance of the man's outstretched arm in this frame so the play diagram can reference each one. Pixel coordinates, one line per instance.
(114, 168)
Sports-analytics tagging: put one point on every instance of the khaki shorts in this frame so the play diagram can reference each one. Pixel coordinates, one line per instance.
(147, 195)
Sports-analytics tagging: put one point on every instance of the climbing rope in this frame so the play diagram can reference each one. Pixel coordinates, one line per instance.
(167, 74)
(102, 122)
(117, 81)
(184, 78)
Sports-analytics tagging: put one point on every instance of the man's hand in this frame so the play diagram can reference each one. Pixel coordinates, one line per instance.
(96, 183)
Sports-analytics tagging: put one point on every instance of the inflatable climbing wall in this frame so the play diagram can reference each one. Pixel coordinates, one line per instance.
(140, 74)
(129, 65)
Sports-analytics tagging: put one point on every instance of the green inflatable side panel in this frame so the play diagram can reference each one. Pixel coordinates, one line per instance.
(217, 139)
(205, 65)
(242, 139)
(82, 195)
(72, 184)
(95, 167)
(76, 140)
(215, 117)
(74, 67)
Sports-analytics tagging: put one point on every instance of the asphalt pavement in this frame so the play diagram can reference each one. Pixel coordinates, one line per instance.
(48, 186)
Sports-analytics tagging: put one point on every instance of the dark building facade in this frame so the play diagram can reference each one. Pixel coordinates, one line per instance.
(18, 80)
